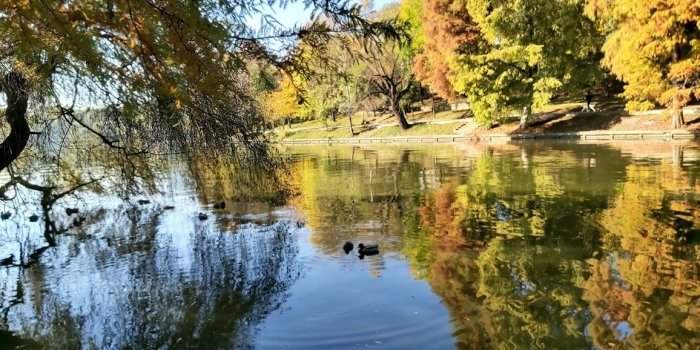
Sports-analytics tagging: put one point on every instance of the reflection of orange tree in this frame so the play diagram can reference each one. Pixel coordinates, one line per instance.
(434, 243)
(444, 215)
(519, 293)
(646, 292)
(511, 294)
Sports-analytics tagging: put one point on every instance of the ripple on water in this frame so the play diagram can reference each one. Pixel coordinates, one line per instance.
(336, 330)
(347, 303)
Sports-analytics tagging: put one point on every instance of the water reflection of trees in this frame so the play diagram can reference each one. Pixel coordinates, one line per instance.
(50, 182)
(505, 247)
(559, 247)
(352, 193)
(145, 287)
(644, 291)
(123, 276)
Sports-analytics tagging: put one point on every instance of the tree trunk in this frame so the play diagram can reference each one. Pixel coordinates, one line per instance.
(525, 117)
(677, 119)
(15, 88)
(352, 131)
(400, 115)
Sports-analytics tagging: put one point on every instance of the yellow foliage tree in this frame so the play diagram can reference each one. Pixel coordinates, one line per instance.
(283, 102)
(654, 47)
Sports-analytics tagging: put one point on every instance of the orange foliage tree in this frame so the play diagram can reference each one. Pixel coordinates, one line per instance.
(450, 30)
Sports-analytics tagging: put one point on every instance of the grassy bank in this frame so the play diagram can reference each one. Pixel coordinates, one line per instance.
(444, 123)
(554, 118)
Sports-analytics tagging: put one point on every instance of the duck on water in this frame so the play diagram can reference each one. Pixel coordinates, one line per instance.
(369, 249)
(362, 249)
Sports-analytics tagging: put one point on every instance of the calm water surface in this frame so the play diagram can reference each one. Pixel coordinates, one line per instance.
(515, 246)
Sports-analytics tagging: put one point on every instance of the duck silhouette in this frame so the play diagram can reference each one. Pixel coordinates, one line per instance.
(202, 216)
(10, 260)
(347, 247)
(220, 205)
(366, 250)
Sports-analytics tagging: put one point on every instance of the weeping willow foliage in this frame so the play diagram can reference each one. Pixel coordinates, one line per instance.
(158, 74)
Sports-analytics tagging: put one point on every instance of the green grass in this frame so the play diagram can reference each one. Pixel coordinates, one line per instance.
(451, 115)
(315, 134)
(416, 130)
(558, 107)
(387, 131)
(379, 119)
(324, 129)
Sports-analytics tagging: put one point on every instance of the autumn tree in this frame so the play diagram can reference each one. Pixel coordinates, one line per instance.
(283, 102)
(532, 50)
(654, 47)
(451, 31)
(388, 73)
(163, 73)
(410, 13)
(334, 87)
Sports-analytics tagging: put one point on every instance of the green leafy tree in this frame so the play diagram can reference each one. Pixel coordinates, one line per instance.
(333, 88)
(654, 47)
(284, 102)
(531, 51)
(411, 14)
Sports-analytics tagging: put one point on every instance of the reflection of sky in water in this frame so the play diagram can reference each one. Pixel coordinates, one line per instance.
(125, 279)
(363, 311)
(623, 330)
(269, 277)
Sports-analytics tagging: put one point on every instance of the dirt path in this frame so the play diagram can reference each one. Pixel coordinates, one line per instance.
(611, 120)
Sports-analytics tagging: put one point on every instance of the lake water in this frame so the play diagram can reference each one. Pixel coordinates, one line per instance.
(513, 246)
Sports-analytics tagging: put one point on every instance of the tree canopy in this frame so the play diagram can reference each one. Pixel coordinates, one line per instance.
(177, 74)
(163, 73)
(531, 50)
(654, 47)
(508, 58)
(452, 32)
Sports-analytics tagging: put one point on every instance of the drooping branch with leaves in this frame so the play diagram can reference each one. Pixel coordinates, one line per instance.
(159, 74)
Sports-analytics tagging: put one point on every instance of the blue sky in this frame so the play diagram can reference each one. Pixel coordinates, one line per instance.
(296, 14)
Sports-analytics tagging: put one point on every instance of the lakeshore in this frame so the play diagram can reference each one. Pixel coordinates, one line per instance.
(558, 124)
